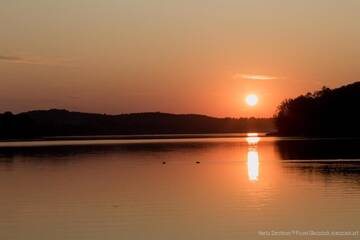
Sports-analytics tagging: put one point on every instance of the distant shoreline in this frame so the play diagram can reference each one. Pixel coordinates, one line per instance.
(135, 137)
(172, 137)
(60, 124)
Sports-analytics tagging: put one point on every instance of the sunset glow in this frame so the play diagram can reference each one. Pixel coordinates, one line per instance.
(196, 120)
(141, 56)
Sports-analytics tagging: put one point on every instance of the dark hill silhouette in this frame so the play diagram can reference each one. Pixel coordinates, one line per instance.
(328, 112)
(45, 123)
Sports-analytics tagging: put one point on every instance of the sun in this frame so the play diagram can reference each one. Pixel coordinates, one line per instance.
(251, 100)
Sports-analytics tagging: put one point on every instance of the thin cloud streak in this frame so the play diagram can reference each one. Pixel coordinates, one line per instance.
(254, 77)
(31, 60)
(9, 58)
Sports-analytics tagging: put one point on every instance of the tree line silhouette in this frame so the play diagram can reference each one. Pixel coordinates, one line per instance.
(327, 112)
(55, 122)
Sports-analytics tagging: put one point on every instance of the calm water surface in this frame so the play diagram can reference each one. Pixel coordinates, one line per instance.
(208, 188)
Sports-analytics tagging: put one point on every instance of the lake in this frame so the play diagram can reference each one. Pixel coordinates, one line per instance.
(216, 187)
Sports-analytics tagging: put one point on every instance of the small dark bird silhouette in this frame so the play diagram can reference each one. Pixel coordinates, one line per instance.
(197, 162)
(163, 162)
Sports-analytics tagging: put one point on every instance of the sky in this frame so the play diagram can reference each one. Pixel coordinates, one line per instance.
(177, 56)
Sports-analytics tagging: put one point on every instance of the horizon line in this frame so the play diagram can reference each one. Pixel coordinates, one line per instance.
(129, 113)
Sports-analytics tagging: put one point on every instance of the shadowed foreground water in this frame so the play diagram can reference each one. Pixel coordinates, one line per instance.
(209, 188)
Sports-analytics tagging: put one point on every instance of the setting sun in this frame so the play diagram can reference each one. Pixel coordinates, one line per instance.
(251, 100)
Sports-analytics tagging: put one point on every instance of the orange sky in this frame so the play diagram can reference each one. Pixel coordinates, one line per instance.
(173, 56)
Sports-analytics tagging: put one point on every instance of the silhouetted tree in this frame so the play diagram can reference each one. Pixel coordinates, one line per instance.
(323, 113)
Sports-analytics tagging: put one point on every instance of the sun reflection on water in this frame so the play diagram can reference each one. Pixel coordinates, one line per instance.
(253, 165)
(253, 138)
(253, 162)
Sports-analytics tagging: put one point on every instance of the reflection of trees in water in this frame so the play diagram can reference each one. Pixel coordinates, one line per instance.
(337, 172)
(68, 152)
(317, 149)
(335, 160)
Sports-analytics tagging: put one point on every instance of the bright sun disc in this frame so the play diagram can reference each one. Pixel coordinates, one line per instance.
(251, 100)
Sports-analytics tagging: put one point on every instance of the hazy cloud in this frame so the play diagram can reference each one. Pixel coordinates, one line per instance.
(9, 58)
(31, 60)
(254, 76)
